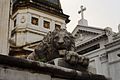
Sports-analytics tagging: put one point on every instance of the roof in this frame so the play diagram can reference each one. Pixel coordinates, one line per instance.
(49, 6)
(91, 40)
(88, 29)
(50, 2)
(57, 2)
(95, 33)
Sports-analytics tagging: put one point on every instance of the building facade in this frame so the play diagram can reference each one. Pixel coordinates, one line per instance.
(113, 52)
(102, 47)
(24, 23)
(31, 21)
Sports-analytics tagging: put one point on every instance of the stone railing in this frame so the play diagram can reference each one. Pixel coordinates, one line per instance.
(20, 69)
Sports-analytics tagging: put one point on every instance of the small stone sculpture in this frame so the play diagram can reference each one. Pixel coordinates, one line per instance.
(59, 44)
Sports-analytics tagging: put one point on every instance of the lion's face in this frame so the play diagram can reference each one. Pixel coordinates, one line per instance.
(62, 40)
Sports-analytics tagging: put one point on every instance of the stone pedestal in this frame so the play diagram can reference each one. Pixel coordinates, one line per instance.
(83, 22)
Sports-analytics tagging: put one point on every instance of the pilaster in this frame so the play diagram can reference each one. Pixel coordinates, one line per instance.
(4, 26)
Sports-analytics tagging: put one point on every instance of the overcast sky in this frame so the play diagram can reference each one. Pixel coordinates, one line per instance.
(99, 13)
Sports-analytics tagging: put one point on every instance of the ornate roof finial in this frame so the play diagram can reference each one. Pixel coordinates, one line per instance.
(82, 21)
(82, 9)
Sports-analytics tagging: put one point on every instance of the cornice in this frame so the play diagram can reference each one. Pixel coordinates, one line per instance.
(114, 43)
(92, 27)
(27, 29)
(79, 27)
(19, 48)
(112, 49)
(40, 6)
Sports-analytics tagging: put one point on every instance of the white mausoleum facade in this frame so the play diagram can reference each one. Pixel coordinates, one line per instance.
(102, 47)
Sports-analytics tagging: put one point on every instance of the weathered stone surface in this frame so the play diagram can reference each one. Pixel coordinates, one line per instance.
(15, 74)
(59, 44)
(61, 62)
(19, 69)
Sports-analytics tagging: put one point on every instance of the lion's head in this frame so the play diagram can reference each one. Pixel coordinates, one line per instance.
(62, 40)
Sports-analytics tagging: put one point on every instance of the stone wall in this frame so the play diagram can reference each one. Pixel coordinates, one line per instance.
(16, 74)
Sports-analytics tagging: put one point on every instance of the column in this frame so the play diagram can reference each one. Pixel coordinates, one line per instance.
(28, 22)
(4, 26)
(98, 65)
(41, 22)
(52, 25)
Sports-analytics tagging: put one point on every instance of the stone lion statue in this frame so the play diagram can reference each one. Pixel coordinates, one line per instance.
(58, 44)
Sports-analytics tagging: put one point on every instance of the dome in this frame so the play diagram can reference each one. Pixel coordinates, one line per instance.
(57, 2)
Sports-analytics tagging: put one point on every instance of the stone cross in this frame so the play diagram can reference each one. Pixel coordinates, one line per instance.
(82, 9)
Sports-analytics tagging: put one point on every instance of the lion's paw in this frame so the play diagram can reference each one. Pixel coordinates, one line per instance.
(84, 61)
(76, 59)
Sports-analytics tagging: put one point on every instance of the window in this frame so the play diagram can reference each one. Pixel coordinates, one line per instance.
(34, 21)
(57, 26)
(15, 23)
(47, 24)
